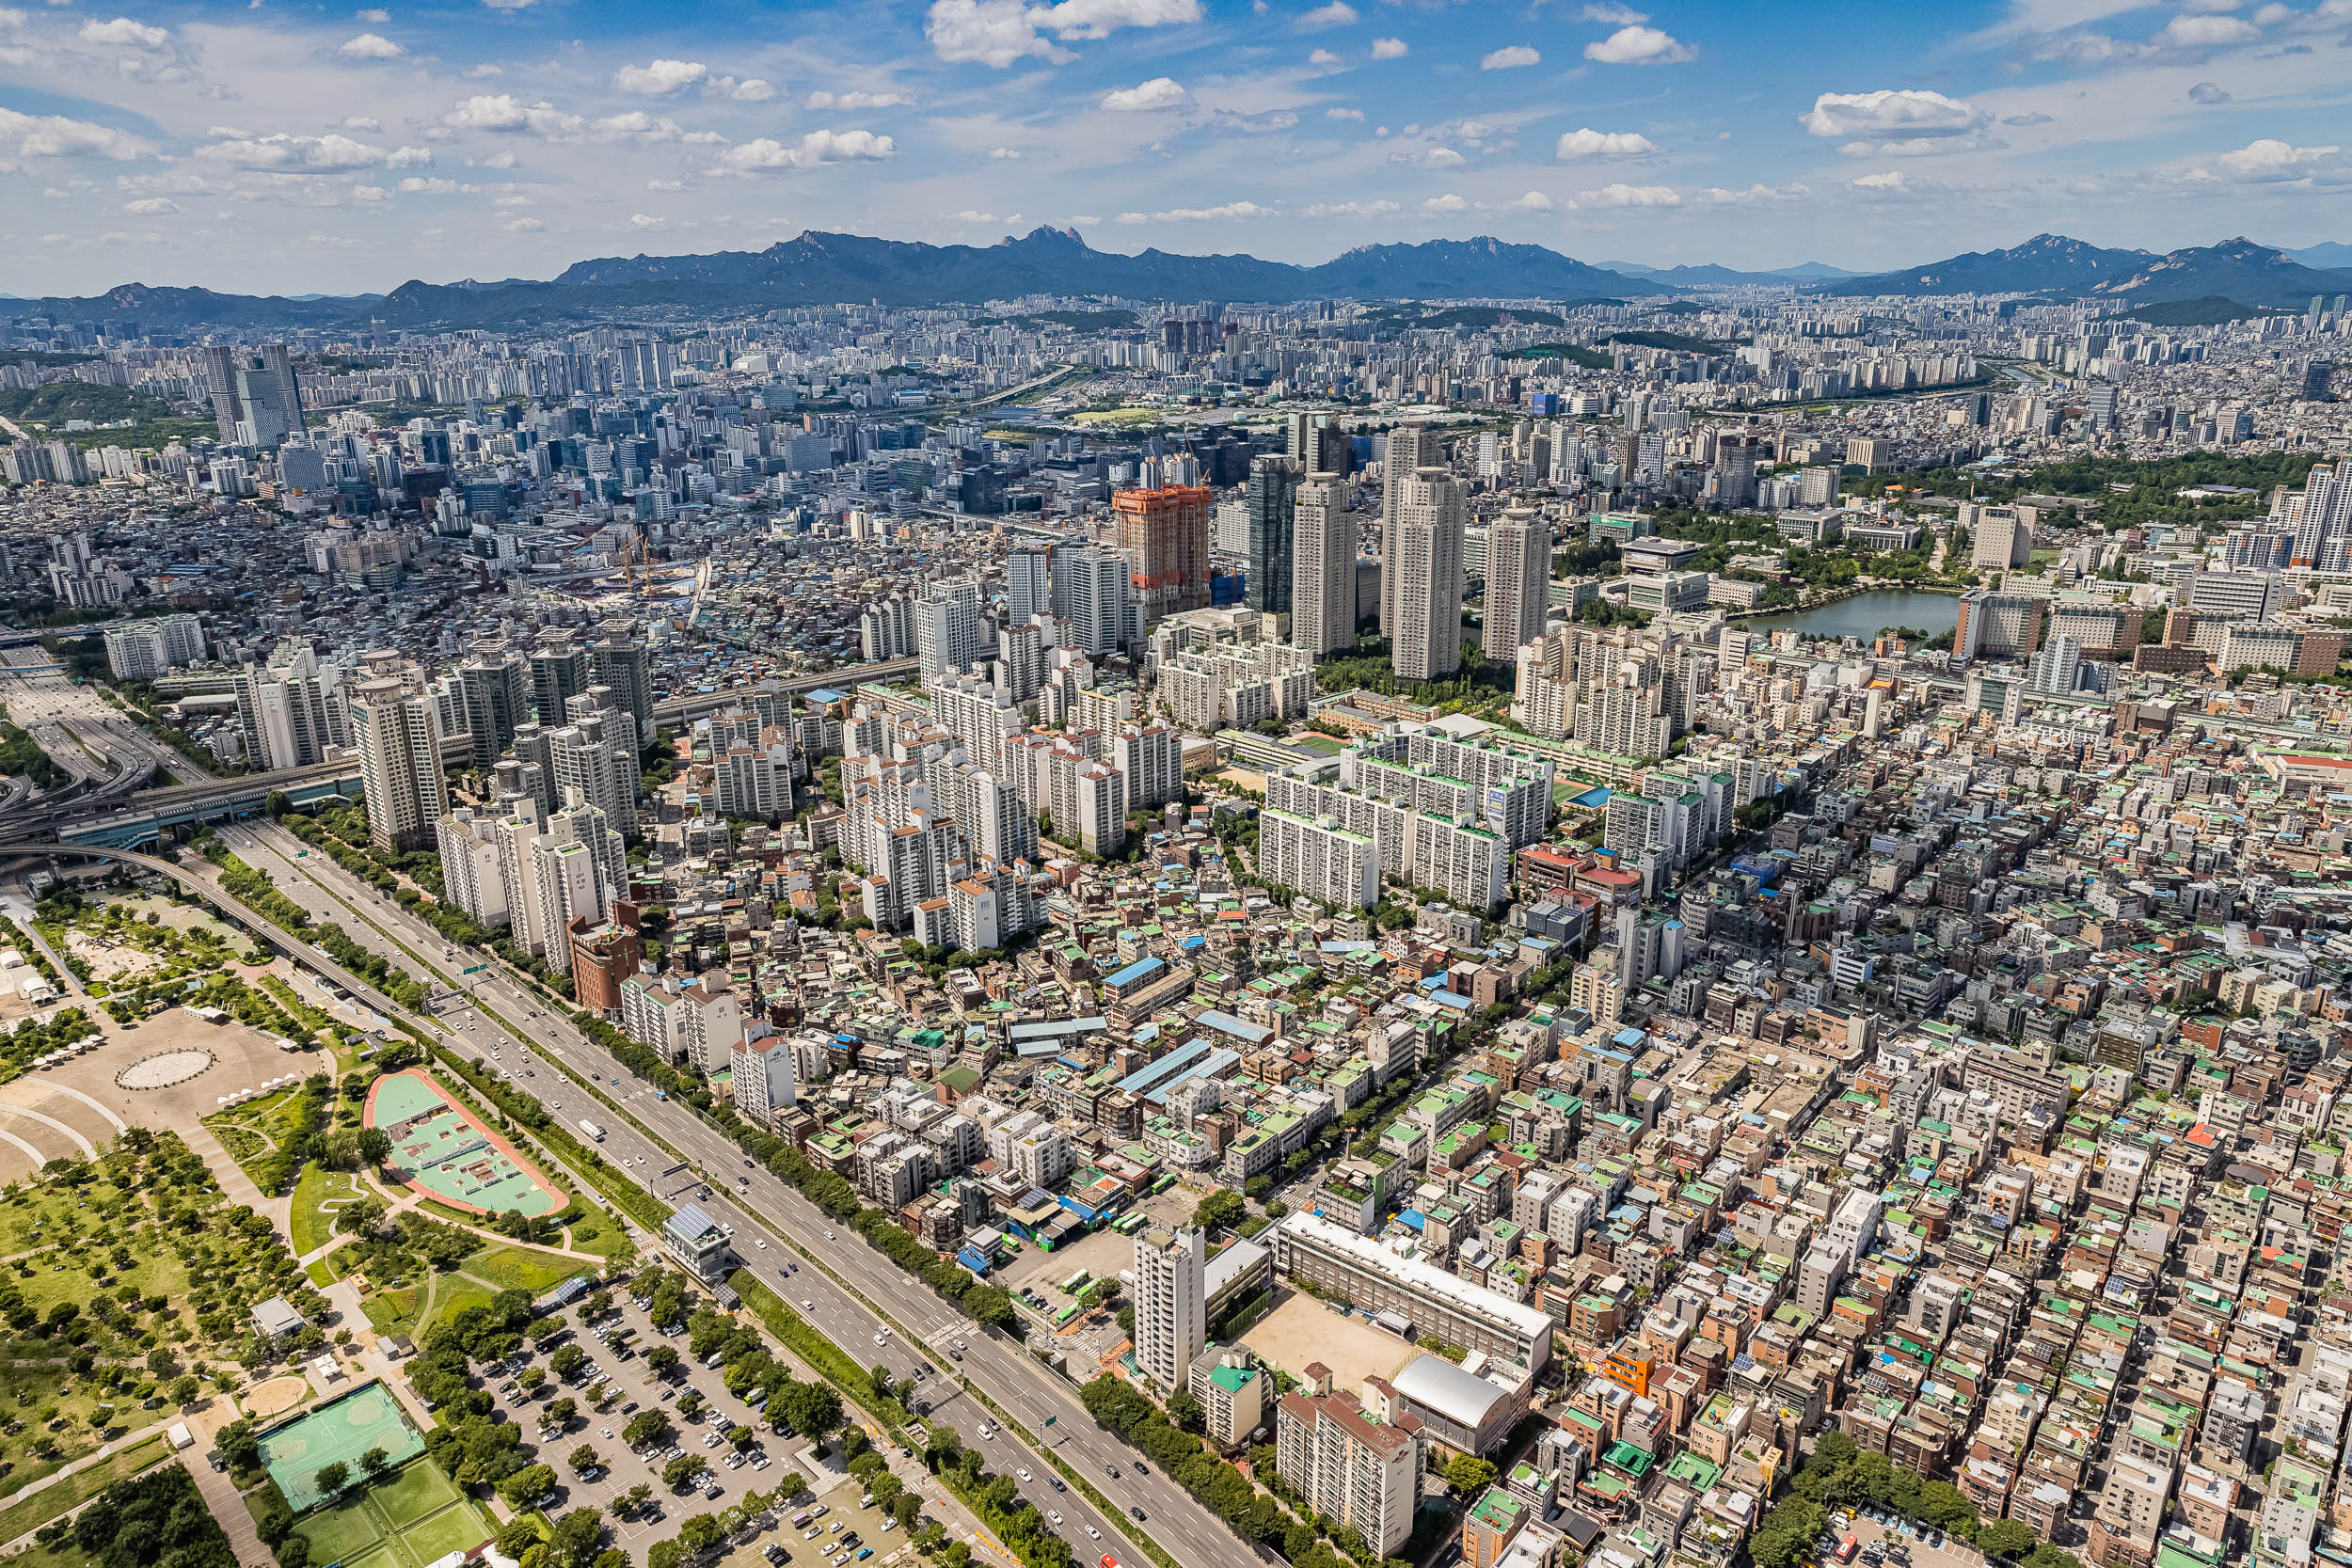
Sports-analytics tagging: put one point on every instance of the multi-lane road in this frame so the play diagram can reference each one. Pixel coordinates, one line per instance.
(843, 1287)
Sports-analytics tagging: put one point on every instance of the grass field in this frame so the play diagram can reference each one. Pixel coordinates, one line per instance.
(511, 1268)
(312, 1220)
(64, 1496)
(413, 1518)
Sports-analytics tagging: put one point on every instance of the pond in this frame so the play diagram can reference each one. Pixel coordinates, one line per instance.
(1863, 615)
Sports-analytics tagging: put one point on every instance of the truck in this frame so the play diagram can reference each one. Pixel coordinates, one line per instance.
(592, 1129)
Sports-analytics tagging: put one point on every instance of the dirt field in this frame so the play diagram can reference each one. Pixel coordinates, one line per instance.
(1303, 1330)
(1102, 1252)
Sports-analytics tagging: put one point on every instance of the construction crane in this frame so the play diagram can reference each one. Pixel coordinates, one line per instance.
(633, 558)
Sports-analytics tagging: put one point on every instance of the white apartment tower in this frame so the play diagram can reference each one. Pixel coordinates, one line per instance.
(400, 764)
(1518, 574)
(1425, 636)
(1411, 448)
(1323, 566)
(1171, 1303)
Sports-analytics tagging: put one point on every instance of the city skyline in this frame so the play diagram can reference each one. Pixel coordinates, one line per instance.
(300, 151)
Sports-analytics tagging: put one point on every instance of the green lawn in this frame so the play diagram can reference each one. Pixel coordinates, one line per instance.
(459, 1528)
(414, 1517)
(64, 1496)
(416, 1491)
(511, 1268)
(313, 1221)
(343, 1531)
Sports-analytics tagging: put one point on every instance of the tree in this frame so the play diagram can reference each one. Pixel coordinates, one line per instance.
(1221, 1209)
(743, 1437)
(183, 1390)
(701, 1533)
(526, 1485)
(293, 1552)
(688, 1403)
(811, 1409)
(565, 1362)
(330, 1478)
(1185, 1412)
(680, 1472)
(582, 1457)
(639, 1495)
(560, 1412)
(1466, 1474)
(643, 1428)
(2006, 1537)
(375, 1145)
(792, 1484)
(578, 1535)
(664, 1553)
(662, 1359)
(374, 1463)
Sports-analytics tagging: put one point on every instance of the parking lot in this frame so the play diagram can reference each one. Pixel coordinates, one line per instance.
(1908, 1545)
(631, 1388)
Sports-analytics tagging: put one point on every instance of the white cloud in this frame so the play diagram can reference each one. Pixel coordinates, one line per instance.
(1885, 179)
(1638, 45)
(646, 220)
(379, 18)
(362, 122)
(1446, 203)
(1615, 15)
(2206, 32)
(509, 4)
(26, 136)
(1900, 122)
(2205, 92)
(507, 115)
(1160, 92)
(371, 46)
(483, 72)
(1200, 215)
(417, 184)
(152, 206)
(1506, 59)
(123, 32)
(1389, 49)
(2272, 162)
(1344, 114)
(858, 101)
(636, 125)
(753, 90)
(1338, 13)
(1534, 201)
(999, 31)
(2035, 117)
(1351, 209)
(282, 153)
(1621, 194)
(815, 149)
(410, 157)
(1442, 157)
(660, 79)
(1589, 143)
(1715, 195)
(1005, 154)
(1323, 56)
(520, 226)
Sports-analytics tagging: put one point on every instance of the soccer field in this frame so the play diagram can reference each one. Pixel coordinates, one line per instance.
(338, 1434)
(408, 1520)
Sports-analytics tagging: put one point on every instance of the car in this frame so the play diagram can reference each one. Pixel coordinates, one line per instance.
(607, 1431)
(987, 1432)
(1141, 1468)
(760, 1460)
(838, 1526)
(1137, 1513)
(1054, 1481)
(864, 1552)
(1111, 1470)
(759, 1242)
(773, 1551)
(812, 1533)
(1094, 1533)
(882, 1339)
(1053, 1516)
(734, 1462)
(806, 1304)
(829, 1235)
(1024, 1475)
(594, 1473)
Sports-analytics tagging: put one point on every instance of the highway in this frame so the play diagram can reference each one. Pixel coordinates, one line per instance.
(762, 1208)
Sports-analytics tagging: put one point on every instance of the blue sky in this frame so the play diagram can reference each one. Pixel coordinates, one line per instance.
(308, 148)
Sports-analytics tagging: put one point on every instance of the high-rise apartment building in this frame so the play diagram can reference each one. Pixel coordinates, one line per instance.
(496, 689)
(1323, 566)
(400, 764)
(1097, 585)
(1411, 448)
(1361, 1473)
(948, 627)
(1171, 1302)
(1425, 636)
(1028, 583)
(1518, 575)
(1163, 534)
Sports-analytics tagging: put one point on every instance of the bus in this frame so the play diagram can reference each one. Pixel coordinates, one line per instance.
(1075, 1283)
(1167, 1180)
(1065, 1314)
(1846, 1548)
(1130, 1224)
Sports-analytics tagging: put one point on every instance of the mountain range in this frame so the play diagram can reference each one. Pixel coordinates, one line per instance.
(815, 268)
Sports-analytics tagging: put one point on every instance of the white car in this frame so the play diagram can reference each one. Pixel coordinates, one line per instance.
(1025, 1476)
(1050, 1515)
(759, 1243)
(805, 1304)
(881, 1338)
(1096, 1534)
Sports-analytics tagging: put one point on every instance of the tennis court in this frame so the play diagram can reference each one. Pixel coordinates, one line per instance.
(412, 1518)
(440, 1148)
(337, 1434)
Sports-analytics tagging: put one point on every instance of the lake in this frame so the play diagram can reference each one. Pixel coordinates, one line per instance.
(1864, 614)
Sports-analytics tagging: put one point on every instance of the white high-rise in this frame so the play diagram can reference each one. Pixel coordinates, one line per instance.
(1323, 566)
(948, 627)
(1425, 636)
(1098, 601)
(1411, 448)
(1171, 1303)
(1519, 565)
(400, 764)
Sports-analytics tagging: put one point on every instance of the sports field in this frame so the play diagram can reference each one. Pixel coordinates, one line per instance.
(408, 1520)
(337, 1434)
(440, 1148)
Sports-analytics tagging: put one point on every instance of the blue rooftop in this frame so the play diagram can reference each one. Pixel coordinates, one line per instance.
(1135, 972)
(1240, 1028)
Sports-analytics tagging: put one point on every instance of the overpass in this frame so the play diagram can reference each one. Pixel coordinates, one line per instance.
(682, 711)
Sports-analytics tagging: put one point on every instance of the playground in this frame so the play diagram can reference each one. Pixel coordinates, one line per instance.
(443, 1150)
(412, 1518)
(338, 1434)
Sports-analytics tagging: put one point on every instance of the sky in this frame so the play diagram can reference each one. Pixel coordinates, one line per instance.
(266, 146)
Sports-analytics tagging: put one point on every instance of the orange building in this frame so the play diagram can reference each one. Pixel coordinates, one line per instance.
(1165, 534)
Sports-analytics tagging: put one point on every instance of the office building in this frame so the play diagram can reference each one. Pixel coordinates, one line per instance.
(1171, 1303)
(1269, 500)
